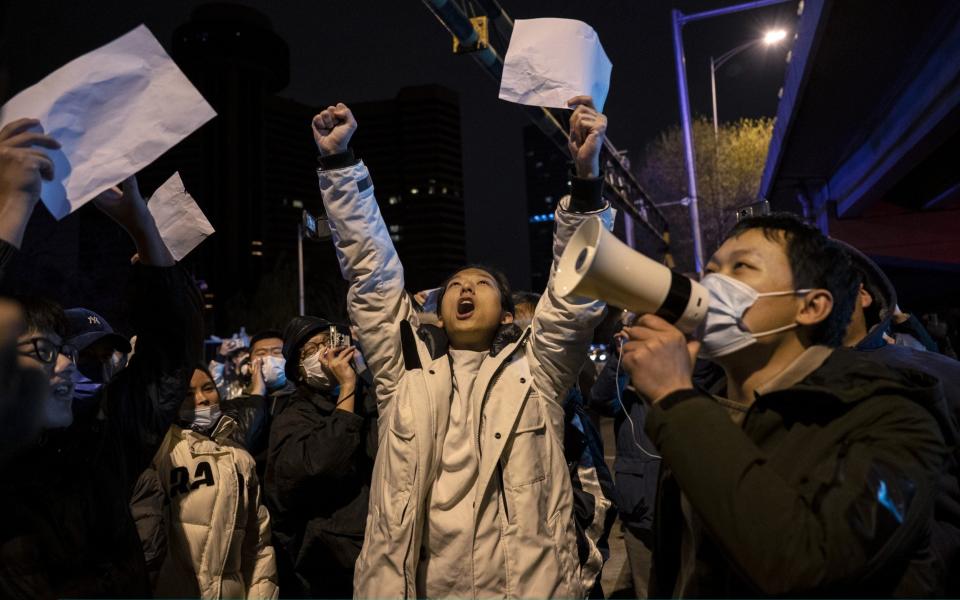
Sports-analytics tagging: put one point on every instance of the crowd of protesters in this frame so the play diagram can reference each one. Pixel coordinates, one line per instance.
(803, 444)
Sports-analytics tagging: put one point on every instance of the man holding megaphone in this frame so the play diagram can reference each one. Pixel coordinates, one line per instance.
(812, 470)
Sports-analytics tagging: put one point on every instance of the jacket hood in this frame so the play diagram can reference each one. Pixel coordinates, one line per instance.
(851, 376)
(882, 292)
(438, 344)
(295, 334)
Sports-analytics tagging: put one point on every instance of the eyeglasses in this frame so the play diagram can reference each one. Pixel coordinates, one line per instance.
(46, 351)
(311, 348)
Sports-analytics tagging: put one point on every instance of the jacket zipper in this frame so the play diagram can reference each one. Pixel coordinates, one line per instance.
(483, 403)
(494, 380)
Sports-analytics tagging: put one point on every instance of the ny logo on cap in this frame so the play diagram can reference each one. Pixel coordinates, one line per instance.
(93, 320)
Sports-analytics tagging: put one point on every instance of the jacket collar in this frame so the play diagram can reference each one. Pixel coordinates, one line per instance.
(802, 366)
(221, 430)
(322, 400)
(285, 390)
(224, 427)
(847, 376)
(438, 344)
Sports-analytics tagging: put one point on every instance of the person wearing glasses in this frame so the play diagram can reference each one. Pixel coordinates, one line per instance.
(67, 530)
(320, 462)
(23, 391)
(42, 347)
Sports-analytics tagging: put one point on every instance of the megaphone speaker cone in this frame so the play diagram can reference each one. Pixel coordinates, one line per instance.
(596, 265)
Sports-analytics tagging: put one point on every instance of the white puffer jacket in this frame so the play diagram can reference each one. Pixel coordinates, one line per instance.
(218, 531)
(517, 396)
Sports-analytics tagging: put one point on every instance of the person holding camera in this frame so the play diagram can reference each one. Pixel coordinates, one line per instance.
(471, 494)
(320, 462)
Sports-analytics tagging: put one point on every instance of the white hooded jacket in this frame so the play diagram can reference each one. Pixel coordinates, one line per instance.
(517, 398)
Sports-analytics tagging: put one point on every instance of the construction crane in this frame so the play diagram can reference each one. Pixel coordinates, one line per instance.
(472, 35)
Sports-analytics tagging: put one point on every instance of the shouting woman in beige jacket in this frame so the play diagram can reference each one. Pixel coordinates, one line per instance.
(218, 532)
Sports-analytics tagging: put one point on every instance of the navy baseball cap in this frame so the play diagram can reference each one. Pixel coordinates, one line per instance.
(87, 327)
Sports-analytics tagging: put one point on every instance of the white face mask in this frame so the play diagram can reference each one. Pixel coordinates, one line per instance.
(316, 375)
(273, 374)
(724, 331)
(201, 418)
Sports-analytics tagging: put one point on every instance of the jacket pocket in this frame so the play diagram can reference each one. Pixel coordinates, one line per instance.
(524, 458)
(636, 488)
(400, 451)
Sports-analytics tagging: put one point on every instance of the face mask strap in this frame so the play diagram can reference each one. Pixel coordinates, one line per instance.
(786, 293)
(785, 327)
(773, 331)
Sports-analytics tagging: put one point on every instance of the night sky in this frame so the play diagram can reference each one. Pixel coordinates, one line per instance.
(350, 50)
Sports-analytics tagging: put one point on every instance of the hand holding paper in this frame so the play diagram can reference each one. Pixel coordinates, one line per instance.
(181, 223)
(587, 131)
(22, 167)
(127, 207)
(114, 111)
(551, 60)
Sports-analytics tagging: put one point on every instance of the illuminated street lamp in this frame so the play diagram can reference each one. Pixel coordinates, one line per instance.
(679, 20)
(770, 38)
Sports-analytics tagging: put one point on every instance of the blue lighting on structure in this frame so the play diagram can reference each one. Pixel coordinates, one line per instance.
(884, 498)
(544, 218)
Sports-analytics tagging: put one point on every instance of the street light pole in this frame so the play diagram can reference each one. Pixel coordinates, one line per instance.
(300, 289)
(679, 20)
(769, 39)
(687, 139)
(713, 97)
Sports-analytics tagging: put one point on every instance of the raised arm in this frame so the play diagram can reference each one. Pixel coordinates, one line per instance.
(377, 302)
(142, 401)
(562, 327)
(22, 166)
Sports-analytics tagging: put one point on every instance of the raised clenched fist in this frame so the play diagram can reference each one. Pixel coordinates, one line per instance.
(587, 131)
(333, 128)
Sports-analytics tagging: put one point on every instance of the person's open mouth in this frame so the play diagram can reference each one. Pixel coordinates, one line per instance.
(465, 308)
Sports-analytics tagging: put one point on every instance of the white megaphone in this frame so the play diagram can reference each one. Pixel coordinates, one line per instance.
(597, 265)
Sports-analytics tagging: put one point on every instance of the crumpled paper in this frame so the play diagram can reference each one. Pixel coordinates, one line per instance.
(550, 61)
(182, 224)
(114, 111)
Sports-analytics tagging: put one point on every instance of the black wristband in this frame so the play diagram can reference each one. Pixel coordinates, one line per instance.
(674, 398)
(586, 194)
(337, 161)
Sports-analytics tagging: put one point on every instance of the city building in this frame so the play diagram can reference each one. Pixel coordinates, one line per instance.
(411, 144)
(548, 173)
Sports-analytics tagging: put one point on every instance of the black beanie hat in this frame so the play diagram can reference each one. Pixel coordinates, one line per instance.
(295, 335)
